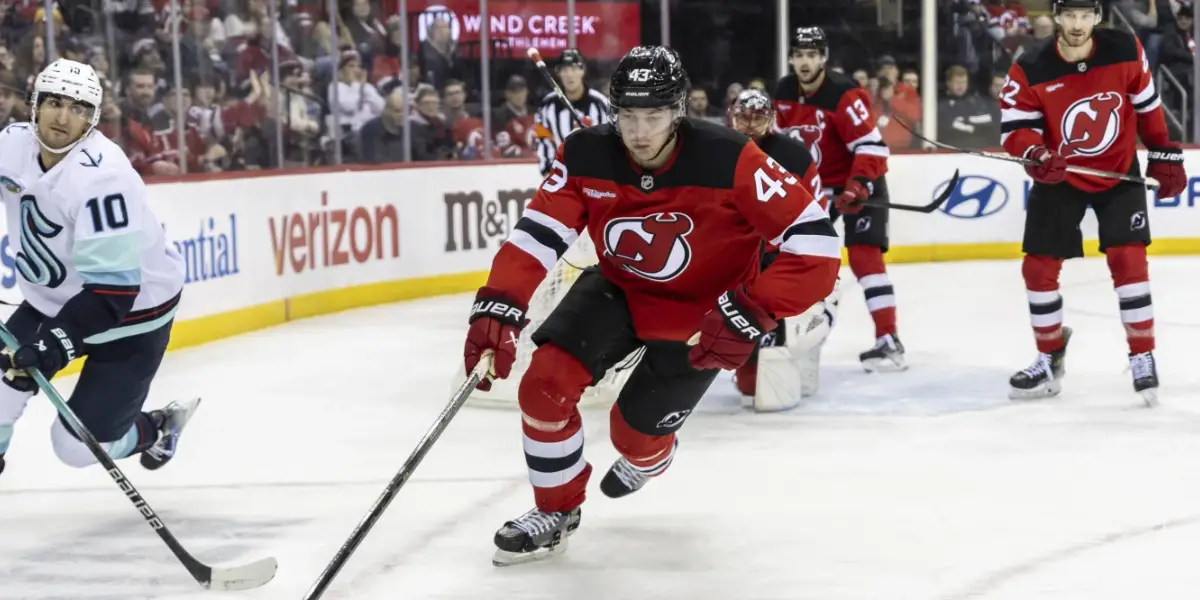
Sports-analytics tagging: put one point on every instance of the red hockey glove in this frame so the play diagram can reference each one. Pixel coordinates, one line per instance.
(1051, 167)
(857, 190)
(496, 324)
(729, 333)
(1166, 165)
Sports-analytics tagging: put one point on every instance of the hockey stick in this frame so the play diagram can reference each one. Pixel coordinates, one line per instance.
(1149, 182)
(431, 436)
(243, 577)
(927, 208)
(536, 57)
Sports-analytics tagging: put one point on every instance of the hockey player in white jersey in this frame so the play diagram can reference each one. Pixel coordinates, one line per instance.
(97, 274)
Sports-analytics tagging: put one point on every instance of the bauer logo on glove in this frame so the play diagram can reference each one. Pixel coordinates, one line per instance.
(736, 320)
(494, 308)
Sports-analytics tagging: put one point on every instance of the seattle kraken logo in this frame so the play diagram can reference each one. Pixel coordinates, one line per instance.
(35, 261)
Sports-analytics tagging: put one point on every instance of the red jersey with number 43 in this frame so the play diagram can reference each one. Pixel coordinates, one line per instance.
(836, 123)
(676, 238)
(1084, 110)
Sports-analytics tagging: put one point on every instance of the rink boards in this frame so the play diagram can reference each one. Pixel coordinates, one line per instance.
(263, 250)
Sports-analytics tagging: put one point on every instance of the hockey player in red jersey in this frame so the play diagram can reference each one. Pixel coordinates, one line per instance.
(832, 114)
(1073, 101)
(787, 359)
(677, 209)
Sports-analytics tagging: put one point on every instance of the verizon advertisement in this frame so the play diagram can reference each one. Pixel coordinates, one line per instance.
(603, 30)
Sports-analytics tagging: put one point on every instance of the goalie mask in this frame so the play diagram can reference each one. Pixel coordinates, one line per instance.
(752, 114)
(66, 96)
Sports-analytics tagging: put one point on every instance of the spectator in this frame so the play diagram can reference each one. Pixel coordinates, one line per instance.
(965, 120)
(140, 94)
(385, 67)
(430, 136)
(110, 118)
(157, 152)
(9, 93)
(897, 101)
(912, 80)
(437, 55)
(887, 68)
(357, 100)
(31, 59)
(515, 107)
(454, 98)
(146, 58)
(366, 30)
(382, 138)
(255, 53)
(699, 108)
(1178, 54)
(204, 111)
(860, 75)
(303, 130)
(7, 60)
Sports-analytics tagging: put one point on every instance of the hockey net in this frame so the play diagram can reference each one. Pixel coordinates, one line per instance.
(503, 394)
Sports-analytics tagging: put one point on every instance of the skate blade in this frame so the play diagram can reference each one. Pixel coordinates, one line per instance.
(1150, 397)
(503, 558)
(884, 365)
(1046, 390)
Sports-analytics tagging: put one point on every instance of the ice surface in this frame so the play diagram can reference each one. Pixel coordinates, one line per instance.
(927, 484)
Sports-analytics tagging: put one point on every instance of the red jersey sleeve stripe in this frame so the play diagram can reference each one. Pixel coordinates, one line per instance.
(811, 234)
(869, 144)
(1147, 99)
(542, 237)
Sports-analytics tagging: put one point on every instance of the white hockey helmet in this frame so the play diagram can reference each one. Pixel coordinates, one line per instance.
(73, 80)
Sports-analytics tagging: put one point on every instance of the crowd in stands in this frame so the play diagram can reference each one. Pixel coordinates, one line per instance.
(346, 82)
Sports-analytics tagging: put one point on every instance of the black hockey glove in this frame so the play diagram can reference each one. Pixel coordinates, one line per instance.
(50, 353)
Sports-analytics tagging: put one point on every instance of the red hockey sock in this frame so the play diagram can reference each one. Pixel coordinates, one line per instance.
(1131, 279)
(651, 454)
(1045, 303)
(866, 262)
(548, 395)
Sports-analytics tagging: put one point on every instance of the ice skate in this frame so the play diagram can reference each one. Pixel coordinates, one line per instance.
(625, 478)
(535, 535)
(1145, 379)
(1043, 378)
(1, 463)
(886, 355)
(170, 421)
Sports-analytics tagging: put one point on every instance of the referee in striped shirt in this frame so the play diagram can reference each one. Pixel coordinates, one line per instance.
(553, 120)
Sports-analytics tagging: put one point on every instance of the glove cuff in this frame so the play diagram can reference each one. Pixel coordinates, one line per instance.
(497, 304)
(742, 316)
(1165, 155)
(68, 345)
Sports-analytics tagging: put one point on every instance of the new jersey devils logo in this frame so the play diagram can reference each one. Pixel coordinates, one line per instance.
(654, 247)
(811, 136)
(1091, 125)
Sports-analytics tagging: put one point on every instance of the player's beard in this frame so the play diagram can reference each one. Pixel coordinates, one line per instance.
(1070, 41)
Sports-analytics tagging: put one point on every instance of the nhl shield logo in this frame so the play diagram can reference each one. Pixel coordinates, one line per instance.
(647, 182)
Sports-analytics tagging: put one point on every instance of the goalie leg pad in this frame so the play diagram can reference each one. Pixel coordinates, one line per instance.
(553, 434)
(779, 381)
